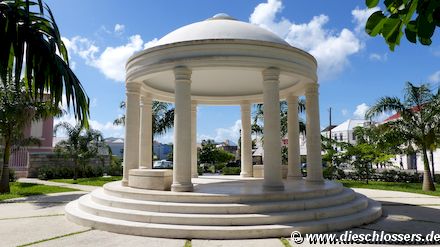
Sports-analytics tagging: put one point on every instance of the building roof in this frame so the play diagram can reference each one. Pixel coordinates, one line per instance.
(220, 27)
(328, 128)
(397, 115)
(350, 124)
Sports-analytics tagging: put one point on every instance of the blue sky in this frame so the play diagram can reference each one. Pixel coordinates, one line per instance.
(354, 69)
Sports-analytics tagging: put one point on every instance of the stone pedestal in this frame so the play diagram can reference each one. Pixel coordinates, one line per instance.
(150, 179)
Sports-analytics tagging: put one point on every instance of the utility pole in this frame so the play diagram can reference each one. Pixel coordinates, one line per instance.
(330, 122)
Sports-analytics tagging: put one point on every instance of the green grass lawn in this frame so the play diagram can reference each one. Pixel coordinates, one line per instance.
(395, 186)
(99, 181)
(28, 189)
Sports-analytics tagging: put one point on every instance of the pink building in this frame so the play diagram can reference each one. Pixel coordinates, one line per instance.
(43, 130)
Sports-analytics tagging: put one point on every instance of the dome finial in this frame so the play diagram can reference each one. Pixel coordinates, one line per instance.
(222, 16)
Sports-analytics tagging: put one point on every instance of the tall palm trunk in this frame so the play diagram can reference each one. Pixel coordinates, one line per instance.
(431, 153)
(4, 177)
(428, 184)
(75, 168)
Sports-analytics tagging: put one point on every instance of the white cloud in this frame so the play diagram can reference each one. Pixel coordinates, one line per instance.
(111, 62)
(119, 28)
(165, 138)
(378, 57)
(231, 133)
(361, 110)
(221, 134)
(360, 17)
(107, 128)
(150, 43)
(344, 112)
(435, 78)
(330, 48)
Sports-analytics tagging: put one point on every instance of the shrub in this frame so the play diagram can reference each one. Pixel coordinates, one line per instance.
(12, 176)
(115, 168)
(200, 170)
(231, 170)
(219, 166)
(54, 172)
(46, 173)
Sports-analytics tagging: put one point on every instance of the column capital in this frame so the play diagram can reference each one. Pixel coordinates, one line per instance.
(182, 73)
(312, 88)
(193, 107)
(292, 99)
(245, 105)
(133, 88)
(146, 99)
(271, 74)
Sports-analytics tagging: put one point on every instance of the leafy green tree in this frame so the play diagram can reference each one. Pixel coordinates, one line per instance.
(210, 153)
(418, 19)
(418, 123)
(31, 50)
(81, 145)
(17, 111)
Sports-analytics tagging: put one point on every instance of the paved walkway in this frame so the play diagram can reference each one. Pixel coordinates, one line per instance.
(66, 185)
(40, 221)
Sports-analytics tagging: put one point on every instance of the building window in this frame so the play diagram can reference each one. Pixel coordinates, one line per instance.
(354, 137)
(340, 136)
(37, 129)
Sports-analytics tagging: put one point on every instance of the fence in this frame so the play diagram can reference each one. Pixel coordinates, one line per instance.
(19, 159)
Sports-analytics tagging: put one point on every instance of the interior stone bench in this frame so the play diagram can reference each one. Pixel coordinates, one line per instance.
(150, 179)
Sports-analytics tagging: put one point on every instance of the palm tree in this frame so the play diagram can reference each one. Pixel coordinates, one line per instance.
(163, 117)
(259, 115)
(81, 145)
(418, 123)
(17, 110)
(30, 41)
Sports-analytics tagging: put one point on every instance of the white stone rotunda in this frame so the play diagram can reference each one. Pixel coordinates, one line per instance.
(221, 61)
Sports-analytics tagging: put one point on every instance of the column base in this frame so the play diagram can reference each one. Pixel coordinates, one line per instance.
(182, 187)
(124, 183)
(292, 177)
(314, 181)
(245, 175)
(271, 187)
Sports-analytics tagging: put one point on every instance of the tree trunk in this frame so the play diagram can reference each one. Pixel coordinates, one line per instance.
(4, 179)
(428, 184)
(75, 169)
(431, 152)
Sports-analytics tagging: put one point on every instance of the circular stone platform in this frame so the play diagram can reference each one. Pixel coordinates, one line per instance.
(225, 207)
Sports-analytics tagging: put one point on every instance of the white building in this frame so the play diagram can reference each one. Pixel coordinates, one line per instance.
(344, 131)
(414, 161)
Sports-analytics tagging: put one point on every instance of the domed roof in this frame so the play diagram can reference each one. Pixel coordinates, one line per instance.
(221, 26)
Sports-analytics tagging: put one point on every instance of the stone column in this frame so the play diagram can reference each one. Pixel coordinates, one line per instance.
(272, 136)
(146, 133)
(194, 173)
(132, 121)
(313, 134)
(182, 131)
(294, 159)
(246, 140)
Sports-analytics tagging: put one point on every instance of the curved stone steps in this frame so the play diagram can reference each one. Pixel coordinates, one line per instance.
(87, 205)
(311, 191)
(100, 197)
(76, 214)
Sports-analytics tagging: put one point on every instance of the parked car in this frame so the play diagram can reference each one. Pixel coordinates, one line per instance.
(162, 164)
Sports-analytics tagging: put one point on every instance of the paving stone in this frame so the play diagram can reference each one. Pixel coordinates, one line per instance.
(108, 239)
(37, 206)
(269, 242)
(15, 232)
